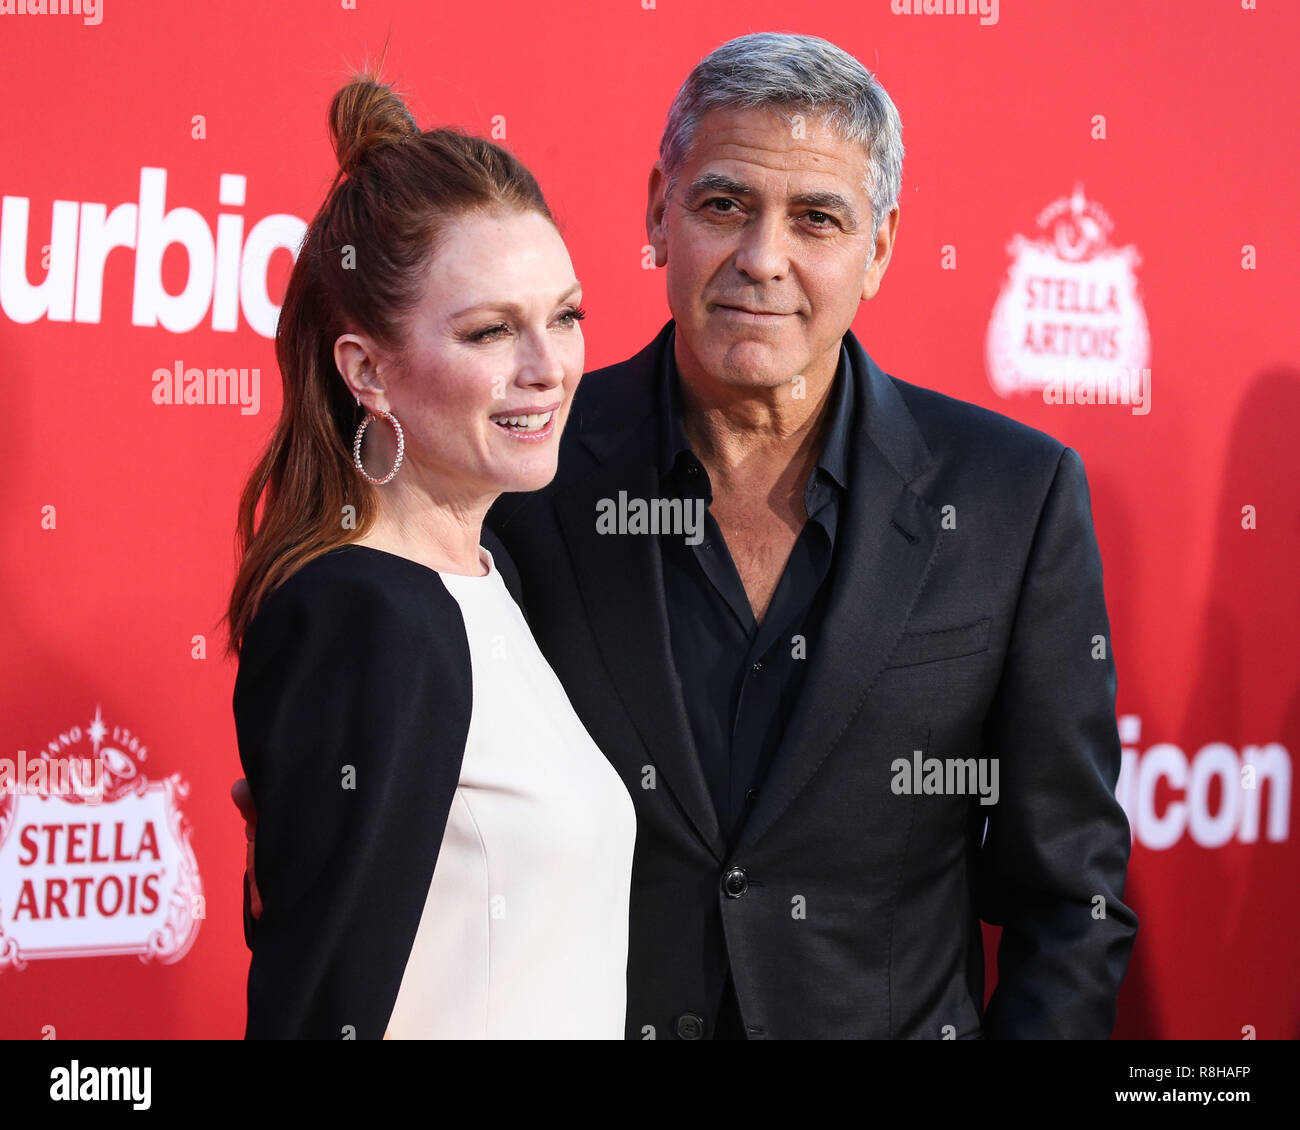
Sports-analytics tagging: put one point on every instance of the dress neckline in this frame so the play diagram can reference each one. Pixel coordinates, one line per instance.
(485, 557)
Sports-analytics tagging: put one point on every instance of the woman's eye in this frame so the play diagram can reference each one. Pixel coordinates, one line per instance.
(491, 333)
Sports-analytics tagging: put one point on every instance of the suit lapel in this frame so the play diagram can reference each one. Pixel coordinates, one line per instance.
(620, 577)
(888, 541)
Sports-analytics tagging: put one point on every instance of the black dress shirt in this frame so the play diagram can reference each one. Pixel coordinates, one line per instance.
(740, 678)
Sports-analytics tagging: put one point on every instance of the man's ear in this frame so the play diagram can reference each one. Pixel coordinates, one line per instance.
(656, 207)
(358, 361)
(884, 250)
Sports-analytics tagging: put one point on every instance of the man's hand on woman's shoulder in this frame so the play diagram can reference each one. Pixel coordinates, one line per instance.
(242, 795)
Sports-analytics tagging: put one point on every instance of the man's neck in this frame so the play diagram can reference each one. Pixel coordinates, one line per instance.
(755, 435)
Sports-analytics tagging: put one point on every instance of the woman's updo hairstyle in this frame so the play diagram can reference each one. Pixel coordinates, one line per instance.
(365, 116)
(361, 269)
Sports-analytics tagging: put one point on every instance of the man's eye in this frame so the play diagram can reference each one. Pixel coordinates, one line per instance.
(723, 200)
(823, 216)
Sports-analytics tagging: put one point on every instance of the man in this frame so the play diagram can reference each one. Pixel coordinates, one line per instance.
(870, 699)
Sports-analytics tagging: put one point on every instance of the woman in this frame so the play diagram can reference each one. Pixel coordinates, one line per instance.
(442, 850)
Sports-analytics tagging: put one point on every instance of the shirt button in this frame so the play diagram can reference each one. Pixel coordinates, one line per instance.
(736, 882)
(690, 1026)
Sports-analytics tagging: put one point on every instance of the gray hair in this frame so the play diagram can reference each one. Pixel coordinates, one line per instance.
(786, 72)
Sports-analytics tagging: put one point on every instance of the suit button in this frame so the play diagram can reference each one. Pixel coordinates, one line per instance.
(690, 1026)
(736, 882)
(751, 795)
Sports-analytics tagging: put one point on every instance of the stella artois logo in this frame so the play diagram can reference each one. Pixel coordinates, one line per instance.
(95, 857)
(1069, 312)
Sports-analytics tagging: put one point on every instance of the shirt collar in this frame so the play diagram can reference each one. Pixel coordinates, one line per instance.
(834, 458)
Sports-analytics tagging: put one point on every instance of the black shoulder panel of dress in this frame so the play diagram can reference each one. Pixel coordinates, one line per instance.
(352, 705)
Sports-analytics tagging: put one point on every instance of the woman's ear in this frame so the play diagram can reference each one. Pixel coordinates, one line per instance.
(357, 360)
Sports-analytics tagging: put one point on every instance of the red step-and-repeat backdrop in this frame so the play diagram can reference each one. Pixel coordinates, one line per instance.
(1103, 179)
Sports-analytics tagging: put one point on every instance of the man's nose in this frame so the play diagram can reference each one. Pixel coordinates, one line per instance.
(763, 253)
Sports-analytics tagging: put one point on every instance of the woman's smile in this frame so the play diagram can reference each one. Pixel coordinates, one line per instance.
(525, 425)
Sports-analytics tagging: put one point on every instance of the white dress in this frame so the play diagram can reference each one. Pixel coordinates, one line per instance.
(524, 930)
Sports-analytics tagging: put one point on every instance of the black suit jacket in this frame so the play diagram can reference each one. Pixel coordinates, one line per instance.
(966, 620)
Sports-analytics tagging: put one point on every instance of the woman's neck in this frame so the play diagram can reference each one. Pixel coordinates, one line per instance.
(442, 535)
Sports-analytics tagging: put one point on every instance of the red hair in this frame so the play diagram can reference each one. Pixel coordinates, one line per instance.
(360, 269)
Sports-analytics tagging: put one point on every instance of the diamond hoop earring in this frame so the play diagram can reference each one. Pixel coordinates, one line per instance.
(356, 447)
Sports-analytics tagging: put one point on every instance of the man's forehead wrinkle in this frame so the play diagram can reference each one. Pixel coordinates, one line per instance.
(795, 146)
(791, 159)
(821, 163)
